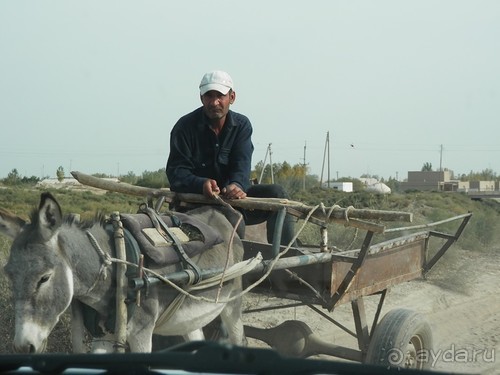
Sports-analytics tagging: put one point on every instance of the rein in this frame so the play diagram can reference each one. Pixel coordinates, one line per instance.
(235, 271)
(106, 260)
(244, 267)
(165, 231)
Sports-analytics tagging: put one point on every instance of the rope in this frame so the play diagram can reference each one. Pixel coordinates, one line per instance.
(354, 238)
(252, 264)
(231, 240)
(330, 212)
(229, 273)
(241, 267)
(293, 275)
(346, 213)
(273, 262)
(232, 272)
(104, 256)
(336, 207)
(106, 261)
(236, 270)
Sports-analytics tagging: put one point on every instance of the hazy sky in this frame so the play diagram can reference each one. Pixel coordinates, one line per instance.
(96, 86)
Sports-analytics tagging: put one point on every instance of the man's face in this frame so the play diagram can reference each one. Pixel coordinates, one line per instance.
(216, 105)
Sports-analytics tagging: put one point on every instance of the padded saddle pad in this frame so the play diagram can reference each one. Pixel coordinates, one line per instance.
(166, 253)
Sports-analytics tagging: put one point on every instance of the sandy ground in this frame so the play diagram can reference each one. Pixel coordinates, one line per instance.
(459, 298)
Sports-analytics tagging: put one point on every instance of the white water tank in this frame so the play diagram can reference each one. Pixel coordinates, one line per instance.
(379, 188)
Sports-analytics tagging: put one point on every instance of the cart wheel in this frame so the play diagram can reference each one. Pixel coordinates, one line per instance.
(403, 338)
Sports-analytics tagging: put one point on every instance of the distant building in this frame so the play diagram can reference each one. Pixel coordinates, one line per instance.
(442, 181)
(482, 185)
(476, 186)
(340, 186)
(430, 181)
(463, 186)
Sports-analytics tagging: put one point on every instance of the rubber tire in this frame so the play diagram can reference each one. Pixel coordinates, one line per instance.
(402, 339)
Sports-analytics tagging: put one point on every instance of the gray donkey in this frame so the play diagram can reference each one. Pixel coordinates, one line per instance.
(53, 262)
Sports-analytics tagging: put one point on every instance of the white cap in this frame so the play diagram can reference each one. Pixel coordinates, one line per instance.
(216, 80)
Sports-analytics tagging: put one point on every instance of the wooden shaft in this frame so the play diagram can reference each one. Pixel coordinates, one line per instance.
(121, 285)
(347, 216)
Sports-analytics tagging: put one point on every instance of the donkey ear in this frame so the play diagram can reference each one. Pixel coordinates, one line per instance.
(10, 224)
(49, 216)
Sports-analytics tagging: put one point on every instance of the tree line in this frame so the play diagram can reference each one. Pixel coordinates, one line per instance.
(293, 178)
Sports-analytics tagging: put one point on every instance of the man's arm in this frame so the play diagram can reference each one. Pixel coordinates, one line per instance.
(180, 165)
(240, 158)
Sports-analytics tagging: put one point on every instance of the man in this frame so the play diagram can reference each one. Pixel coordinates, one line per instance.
(211, 154)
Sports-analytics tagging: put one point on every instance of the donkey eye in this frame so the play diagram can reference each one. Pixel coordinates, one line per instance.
(43, 279)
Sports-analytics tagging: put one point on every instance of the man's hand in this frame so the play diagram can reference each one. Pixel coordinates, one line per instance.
(233, 191)
(210, 188)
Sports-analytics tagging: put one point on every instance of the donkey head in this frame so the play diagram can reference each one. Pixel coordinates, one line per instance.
(40, 275)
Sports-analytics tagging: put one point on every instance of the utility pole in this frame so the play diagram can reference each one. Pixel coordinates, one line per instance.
(271, 164)
(304, 167)
(264, 163)
(441, 159)
(328, 140)
(325, 153)
(268, 152)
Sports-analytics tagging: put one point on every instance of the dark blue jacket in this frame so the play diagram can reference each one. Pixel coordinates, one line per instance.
(197, 153)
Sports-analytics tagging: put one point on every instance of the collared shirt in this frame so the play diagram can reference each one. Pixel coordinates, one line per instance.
(197, 153)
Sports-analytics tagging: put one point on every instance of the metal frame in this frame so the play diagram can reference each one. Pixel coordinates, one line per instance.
(411, 249)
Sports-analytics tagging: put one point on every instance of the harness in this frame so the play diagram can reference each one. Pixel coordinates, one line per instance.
(133, 255)
(133, 246)
(165, 231)
(91, 317)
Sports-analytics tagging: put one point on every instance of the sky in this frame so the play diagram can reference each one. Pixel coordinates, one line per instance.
(95, 86)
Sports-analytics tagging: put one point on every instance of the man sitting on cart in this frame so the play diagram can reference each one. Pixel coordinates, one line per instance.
(211, 154)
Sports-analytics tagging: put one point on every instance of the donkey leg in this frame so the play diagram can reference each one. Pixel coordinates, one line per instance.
(231, 318)
(77, 328)
(141, 341)
(196, 335)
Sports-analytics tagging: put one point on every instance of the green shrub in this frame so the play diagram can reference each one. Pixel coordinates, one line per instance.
(481, 234)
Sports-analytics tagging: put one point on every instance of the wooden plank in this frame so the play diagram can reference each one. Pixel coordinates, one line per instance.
(349, 216)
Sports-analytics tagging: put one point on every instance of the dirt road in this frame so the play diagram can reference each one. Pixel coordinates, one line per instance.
(459, 298)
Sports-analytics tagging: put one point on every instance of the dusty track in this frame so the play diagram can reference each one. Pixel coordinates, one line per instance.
(459, 298)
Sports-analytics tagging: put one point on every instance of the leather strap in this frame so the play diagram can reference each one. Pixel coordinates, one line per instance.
(165, 231)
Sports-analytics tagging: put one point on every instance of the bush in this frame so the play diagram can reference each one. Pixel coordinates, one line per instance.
(482, 231)
(481, 234)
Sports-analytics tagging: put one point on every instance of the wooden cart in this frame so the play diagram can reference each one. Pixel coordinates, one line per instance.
(323, 278)
(327, 279)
